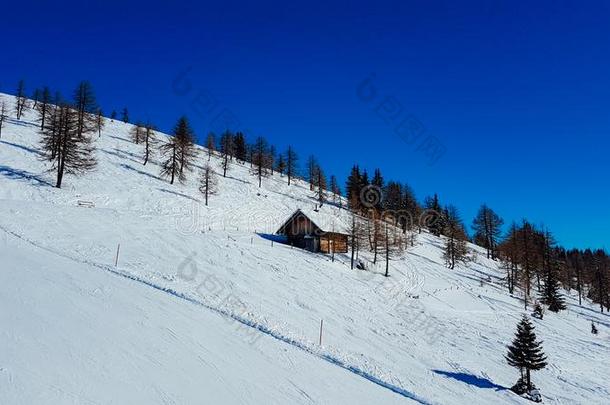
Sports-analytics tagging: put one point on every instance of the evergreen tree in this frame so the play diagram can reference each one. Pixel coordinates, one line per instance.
(525, 353)
(312, 167)
(113, 115)
(353, 187)
(36, 97)
(63, 145)
(550, 295)
(125, 115)
(435, 219)
(334, 189)
(487, 226)
(291, 164)
(208, 182)
(241, 149)
(170, 167)
(320, 185)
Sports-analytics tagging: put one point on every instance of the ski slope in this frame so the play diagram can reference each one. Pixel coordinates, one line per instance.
(204, 308)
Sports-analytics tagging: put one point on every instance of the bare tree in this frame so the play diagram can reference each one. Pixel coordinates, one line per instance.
(170, 167)
(21, 99)
(150, 139)
(86, 107)
(210, 144)
(226, 151)
(44, 107)
(3, 116)
(63, 145)
(260, 158)
(179, 152)
(394, 244)
(208, 182)
(137, 133)
(125, 115)
(355, 237)
(291, 164)
(456, 249)
(100, 122)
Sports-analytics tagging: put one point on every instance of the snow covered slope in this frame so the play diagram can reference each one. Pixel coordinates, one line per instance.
(204, 308)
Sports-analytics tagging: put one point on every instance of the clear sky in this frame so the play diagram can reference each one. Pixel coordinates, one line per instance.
(516, 94)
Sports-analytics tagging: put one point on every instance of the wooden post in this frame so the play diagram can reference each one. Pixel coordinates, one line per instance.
(116, 259)
(321, 326)
(271, 243)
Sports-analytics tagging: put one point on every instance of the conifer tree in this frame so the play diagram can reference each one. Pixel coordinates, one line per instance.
(208, 182)
(125, 115)
(334, 189)
(525, 353)
(353, 187)
(62, 143)
(435, 219)
(113, 115)
(241, 149)
(312, 166)
(170, 167)
(550, 295)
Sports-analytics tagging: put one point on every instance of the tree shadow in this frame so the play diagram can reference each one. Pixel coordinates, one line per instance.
(119, 155)
(471, 379)
(25, 148)
(17, 174)
(133, 169)
(178, 194)
(120, 139)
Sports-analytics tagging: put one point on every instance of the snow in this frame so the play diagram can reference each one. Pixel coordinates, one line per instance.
(204, 308)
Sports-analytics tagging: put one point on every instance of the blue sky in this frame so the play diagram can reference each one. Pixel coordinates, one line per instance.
(516, 94)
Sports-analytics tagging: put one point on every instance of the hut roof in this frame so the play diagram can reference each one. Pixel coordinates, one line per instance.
(327, 218)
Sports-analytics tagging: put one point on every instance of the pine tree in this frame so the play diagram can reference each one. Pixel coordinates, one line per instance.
(353, 187)
(320, 185)
(241, 150)
(291, 164)
(69, 151)
(21, 99)
(113, 115)
(525, 353)
(3, 116)
(170, 167)
(487, 226)
(550, 296)
(125, 115)
(208, 182)
(435, 219)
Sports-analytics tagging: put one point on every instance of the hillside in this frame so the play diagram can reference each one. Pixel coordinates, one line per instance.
(204, 308)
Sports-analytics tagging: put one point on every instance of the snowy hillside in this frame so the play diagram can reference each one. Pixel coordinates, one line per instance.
(204, 308)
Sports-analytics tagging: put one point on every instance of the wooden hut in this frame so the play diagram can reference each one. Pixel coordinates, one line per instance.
(301, 231)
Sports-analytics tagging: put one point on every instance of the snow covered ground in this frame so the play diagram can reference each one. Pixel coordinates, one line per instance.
(203, 308)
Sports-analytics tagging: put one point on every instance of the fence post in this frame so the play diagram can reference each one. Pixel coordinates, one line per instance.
(321, 326)
(116, 259)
